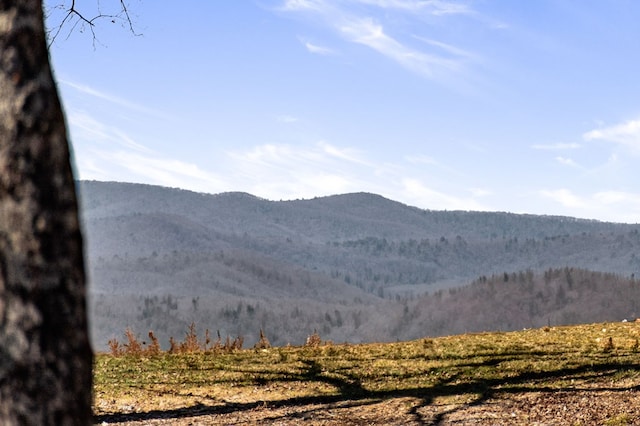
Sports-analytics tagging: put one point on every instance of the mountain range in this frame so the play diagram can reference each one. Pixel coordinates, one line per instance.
(353, 267)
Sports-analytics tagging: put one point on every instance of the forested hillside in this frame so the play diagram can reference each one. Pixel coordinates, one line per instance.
(527, 300)
(354, 267)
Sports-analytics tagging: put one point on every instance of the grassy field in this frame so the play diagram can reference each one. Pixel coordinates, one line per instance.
(578, 375)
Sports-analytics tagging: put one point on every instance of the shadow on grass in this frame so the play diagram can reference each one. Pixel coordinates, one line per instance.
(351, 393)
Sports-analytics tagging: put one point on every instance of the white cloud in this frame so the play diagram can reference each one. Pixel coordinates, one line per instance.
(613, 205)
(450, 8)
(347, 154)
(287, 155)
(104, 152)
(567, 161)
(293, 5)
(556, 146)
(329, 183)
(627, 134)
(87, 129)
(564, 197)
(278, 171)
(285, 172)
(452, 50)
(319, 50)
(480, 192)
(416, 193)
(136, 167)
(296, 159)
(91, 167)
(618, 197)
(367, 32)
(420, 159)
(87, 90)
(356, 26)
(435, 7)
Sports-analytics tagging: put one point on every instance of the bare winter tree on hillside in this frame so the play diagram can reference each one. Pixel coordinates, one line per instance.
(45, 355)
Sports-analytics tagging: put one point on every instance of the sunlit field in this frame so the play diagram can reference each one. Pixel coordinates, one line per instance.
(419, 381)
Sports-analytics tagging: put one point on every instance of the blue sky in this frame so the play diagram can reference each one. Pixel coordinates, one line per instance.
(519, 106)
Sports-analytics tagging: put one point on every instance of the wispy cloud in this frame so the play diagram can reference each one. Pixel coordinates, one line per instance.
(347, 154)
(132, 166)
(415, 192)
(85, 127)
(447, 48)
(626, 134)
(564, 197)
(480, 192)
(617, 197)
(612, 205)
(108, 152)
(318, 50)
(435, 7)
(277, 170)
(368, 32)
(292, 157)
(420, 159)
(117, 100)
(567, 161)
(556, 146)
(295, 5)
(356, 25)
(286, 171)
(166, 171)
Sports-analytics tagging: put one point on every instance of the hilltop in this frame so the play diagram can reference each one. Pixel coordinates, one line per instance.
(354, 267)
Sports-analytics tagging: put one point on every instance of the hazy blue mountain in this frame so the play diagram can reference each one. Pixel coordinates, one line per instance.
(346, 265)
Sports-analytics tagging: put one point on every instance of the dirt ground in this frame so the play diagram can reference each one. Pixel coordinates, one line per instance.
(599, 404)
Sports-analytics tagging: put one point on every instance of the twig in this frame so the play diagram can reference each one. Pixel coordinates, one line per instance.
(74, 18)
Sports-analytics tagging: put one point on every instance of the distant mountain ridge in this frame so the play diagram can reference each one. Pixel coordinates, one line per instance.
(363, 210)
(235, 249)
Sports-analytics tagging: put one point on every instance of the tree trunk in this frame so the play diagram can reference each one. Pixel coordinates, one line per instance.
(45, 355)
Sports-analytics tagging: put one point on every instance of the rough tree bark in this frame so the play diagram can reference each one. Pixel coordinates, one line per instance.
(45, 355)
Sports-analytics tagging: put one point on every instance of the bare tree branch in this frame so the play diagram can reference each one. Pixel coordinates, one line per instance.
(128, 18)
(70, 19)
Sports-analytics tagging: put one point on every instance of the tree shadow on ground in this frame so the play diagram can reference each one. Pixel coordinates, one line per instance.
(351, 393)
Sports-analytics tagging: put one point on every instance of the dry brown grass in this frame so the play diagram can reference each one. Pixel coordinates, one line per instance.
(263, 343)
(558, 375)
(313, 340)
(133, 347)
